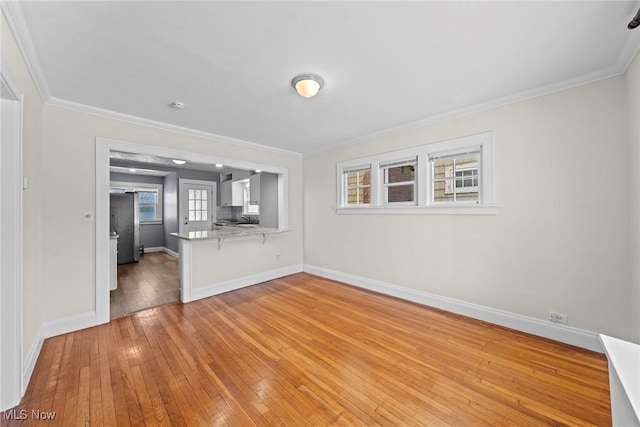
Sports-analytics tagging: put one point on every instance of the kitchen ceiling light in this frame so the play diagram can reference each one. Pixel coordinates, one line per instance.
(179, 162)
(218, 165)
(307, 85)
(132, 170)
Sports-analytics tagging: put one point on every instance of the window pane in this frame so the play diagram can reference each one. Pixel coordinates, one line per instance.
(198, 216)
(147, 212)
(203, 195)
(401, 174)
(192, 194)
(192, 216)
(400, 193)
(358, 187)
(147, 197)
(455, 178)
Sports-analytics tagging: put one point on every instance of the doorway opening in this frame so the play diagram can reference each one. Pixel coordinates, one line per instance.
(106, 267)
(150, 199)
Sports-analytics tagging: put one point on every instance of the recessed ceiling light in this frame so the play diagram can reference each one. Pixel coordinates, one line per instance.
(179, 162)
(177, 104)
(307, 85)
(132, 170)
(218, 165)
(258, 170)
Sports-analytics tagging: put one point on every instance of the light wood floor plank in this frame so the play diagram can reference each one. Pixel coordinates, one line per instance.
(304, 350)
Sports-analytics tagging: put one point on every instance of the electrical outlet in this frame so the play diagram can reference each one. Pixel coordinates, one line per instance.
(558, 317)
(277, 256)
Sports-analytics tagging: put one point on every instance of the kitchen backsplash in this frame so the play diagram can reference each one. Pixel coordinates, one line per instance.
(229, 212)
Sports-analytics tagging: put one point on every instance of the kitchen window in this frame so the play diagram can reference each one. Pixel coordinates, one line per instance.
(247, 207)
(446, 177)
(149, 199)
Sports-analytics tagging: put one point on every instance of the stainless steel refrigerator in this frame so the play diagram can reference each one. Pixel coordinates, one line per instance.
(125, 223)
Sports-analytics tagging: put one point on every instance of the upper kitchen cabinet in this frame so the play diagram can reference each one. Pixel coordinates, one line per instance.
(230, 193)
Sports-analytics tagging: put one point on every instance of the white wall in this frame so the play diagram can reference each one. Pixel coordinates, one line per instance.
(560, 240)
(632, 80)
(32, 167)
(68, 240)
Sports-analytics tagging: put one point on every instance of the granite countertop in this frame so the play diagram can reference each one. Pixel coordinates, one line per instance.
(227, 232)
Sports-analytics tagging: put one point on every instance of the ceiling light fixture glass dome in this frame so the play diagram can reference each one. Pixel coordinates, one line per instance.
(307, 85)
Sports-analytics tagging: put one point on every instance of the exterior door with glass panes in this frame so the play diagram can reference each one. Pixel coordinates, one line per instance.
(199, 203)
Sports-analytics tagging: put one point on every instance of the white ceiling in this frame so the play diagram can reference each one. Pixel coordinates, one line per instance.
(385, 64)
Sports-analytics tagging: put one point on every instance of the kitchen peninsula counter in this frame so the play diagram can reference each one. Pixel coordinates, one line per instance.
(250, 255)
(227, 232)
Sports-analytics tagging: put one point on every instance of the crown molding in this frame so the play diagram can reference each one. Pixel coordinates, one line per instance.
(101, 112)
(615, 71)
(18, 27)
(627, 55)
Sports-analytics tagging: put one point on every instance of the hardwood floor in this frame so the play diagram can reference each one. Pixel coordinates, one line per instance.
(302, 350)
(149, 283)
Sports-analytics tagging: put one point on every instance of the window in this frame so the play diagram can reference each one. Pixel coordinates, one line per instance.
(247, 207)
(357, 185)
(455, 178)
(198, 209)
(149, 199)
(399, 182)
(452, 177)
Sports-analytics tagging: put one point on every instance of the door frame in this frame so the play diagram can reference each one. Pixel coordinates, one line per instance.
(102, 249)
(181, 207)
(11, 240)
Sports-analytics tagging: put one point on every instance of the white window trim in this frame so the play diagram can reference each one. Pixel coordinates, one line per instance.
(142, 186)
(482, 142)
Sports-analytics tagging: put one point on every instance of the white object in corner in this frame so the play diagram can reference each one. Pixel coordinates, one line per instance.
(624, 380)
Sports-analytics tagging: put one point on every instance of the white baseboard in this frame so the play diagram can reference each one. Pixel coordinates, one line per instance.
(162, 249)
(51, 329)
(69, 324)
(242, 282)
(531, 325)
(170, 252)
(32, 358)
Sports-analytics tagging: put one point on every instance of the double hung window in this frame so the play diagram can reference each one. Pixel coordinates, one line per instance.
(453, 176)
(149, 199)
(399, 181)
(357, 186)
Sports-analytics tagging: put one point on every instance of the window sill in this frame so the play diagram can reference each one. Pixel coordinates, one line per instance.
(151, 221)
(421, 210)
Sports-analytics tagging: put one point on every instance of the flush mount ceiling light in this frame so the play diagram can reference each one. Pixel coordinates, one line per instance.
(307, 85)
(177, 104)
(179, 162)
